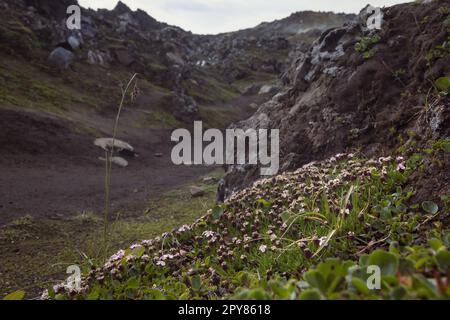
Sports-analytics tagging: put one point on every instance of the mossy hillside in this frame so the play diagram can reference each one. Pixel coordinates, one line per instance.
(16, 37)
(276, 239)
(205, 88)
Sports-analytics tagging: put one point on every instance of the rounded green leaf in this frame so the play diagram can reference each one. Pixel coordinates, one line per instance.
(217, 212)
(310, 294)
(387, 262)
(316, 280)
(196, 282)
(443, 260)
(360, 285)
(443, 84)
(430, 207)
(436, 244)
(17, 295)
(133, 283)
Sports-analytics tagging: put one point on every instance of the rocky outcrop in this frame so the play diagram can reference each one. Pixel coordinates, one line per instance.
(359, 89)
(167, 56)
(264, 48)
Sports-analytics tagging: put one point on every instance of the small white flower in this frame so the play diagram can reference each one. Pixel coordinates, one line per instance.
(322, 240)
(117, 256)
(184, 228)
(263, 248)
(161, 263)
(208, 234)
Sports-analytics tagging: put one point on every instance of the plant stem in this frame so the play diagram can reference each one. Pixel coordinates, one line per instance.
(108, 166)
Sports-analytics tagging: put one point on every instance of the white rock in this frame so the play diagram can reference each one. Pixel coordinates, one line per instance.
(107, 144)
(121, 162)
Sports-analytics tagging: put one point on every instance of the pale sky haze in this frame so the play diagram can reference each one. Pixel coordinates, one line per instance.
(215, 16)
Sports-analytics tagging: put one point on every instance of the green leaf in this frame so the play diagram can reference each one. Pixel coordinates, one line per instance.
(279, 290)
(196, 282)
(155, 294)
(443, 260)
(138, 251)
(443, 84)
(310, 294)
(94, 294)
(265, 203)
(17, 295)
(398, 293)
(436, 244)
(285, 216)
(316, 280)
(133, 283)
(217, 212)
(363, 260)
(430, 207)
(360, 285)
(387, 262)
(258, 294)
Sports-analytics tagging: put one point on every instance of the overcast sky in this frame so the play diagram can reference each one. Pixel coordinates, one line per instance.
(215, 16)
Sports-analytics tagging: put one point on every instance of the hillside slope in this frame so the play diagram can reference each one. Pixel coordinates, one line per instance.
(313, 231)
(64, 87)
(360, 90)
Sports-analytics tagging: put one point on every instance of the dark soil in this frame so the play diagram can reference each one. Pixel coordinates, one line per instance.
(49, 170)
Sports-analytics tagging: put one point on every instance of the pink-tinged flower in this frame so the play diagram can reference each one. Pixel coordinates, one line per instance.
(184, 228)
(161, 263)
(382, 160)
(208, 234)
(117, 256)
(401, 167)
(263, 248)
(166, 257)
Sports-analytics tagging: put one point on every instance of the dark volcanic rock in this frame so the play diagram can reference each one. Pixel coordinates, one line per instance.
(339, 99)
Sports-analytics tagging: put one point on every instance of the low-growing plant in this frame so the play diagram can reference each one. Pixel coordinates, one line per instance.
(365, 46)
(438, 52)
(275, 241)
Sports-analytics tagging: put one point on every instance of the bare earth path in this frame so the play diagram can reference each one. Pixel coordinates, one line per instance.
(49, 171)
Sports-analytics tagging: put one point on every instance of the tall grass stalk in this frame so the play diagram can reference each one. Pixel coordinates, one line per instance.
(108, 165)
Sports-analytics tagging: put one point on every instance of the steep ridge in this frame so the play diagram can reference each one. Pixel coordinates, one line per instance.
(194, 69)
(60, 89)
(357, 89)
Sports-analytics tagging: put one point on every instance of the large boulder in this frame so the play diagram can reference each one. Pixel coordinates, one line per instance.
(60, 58)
